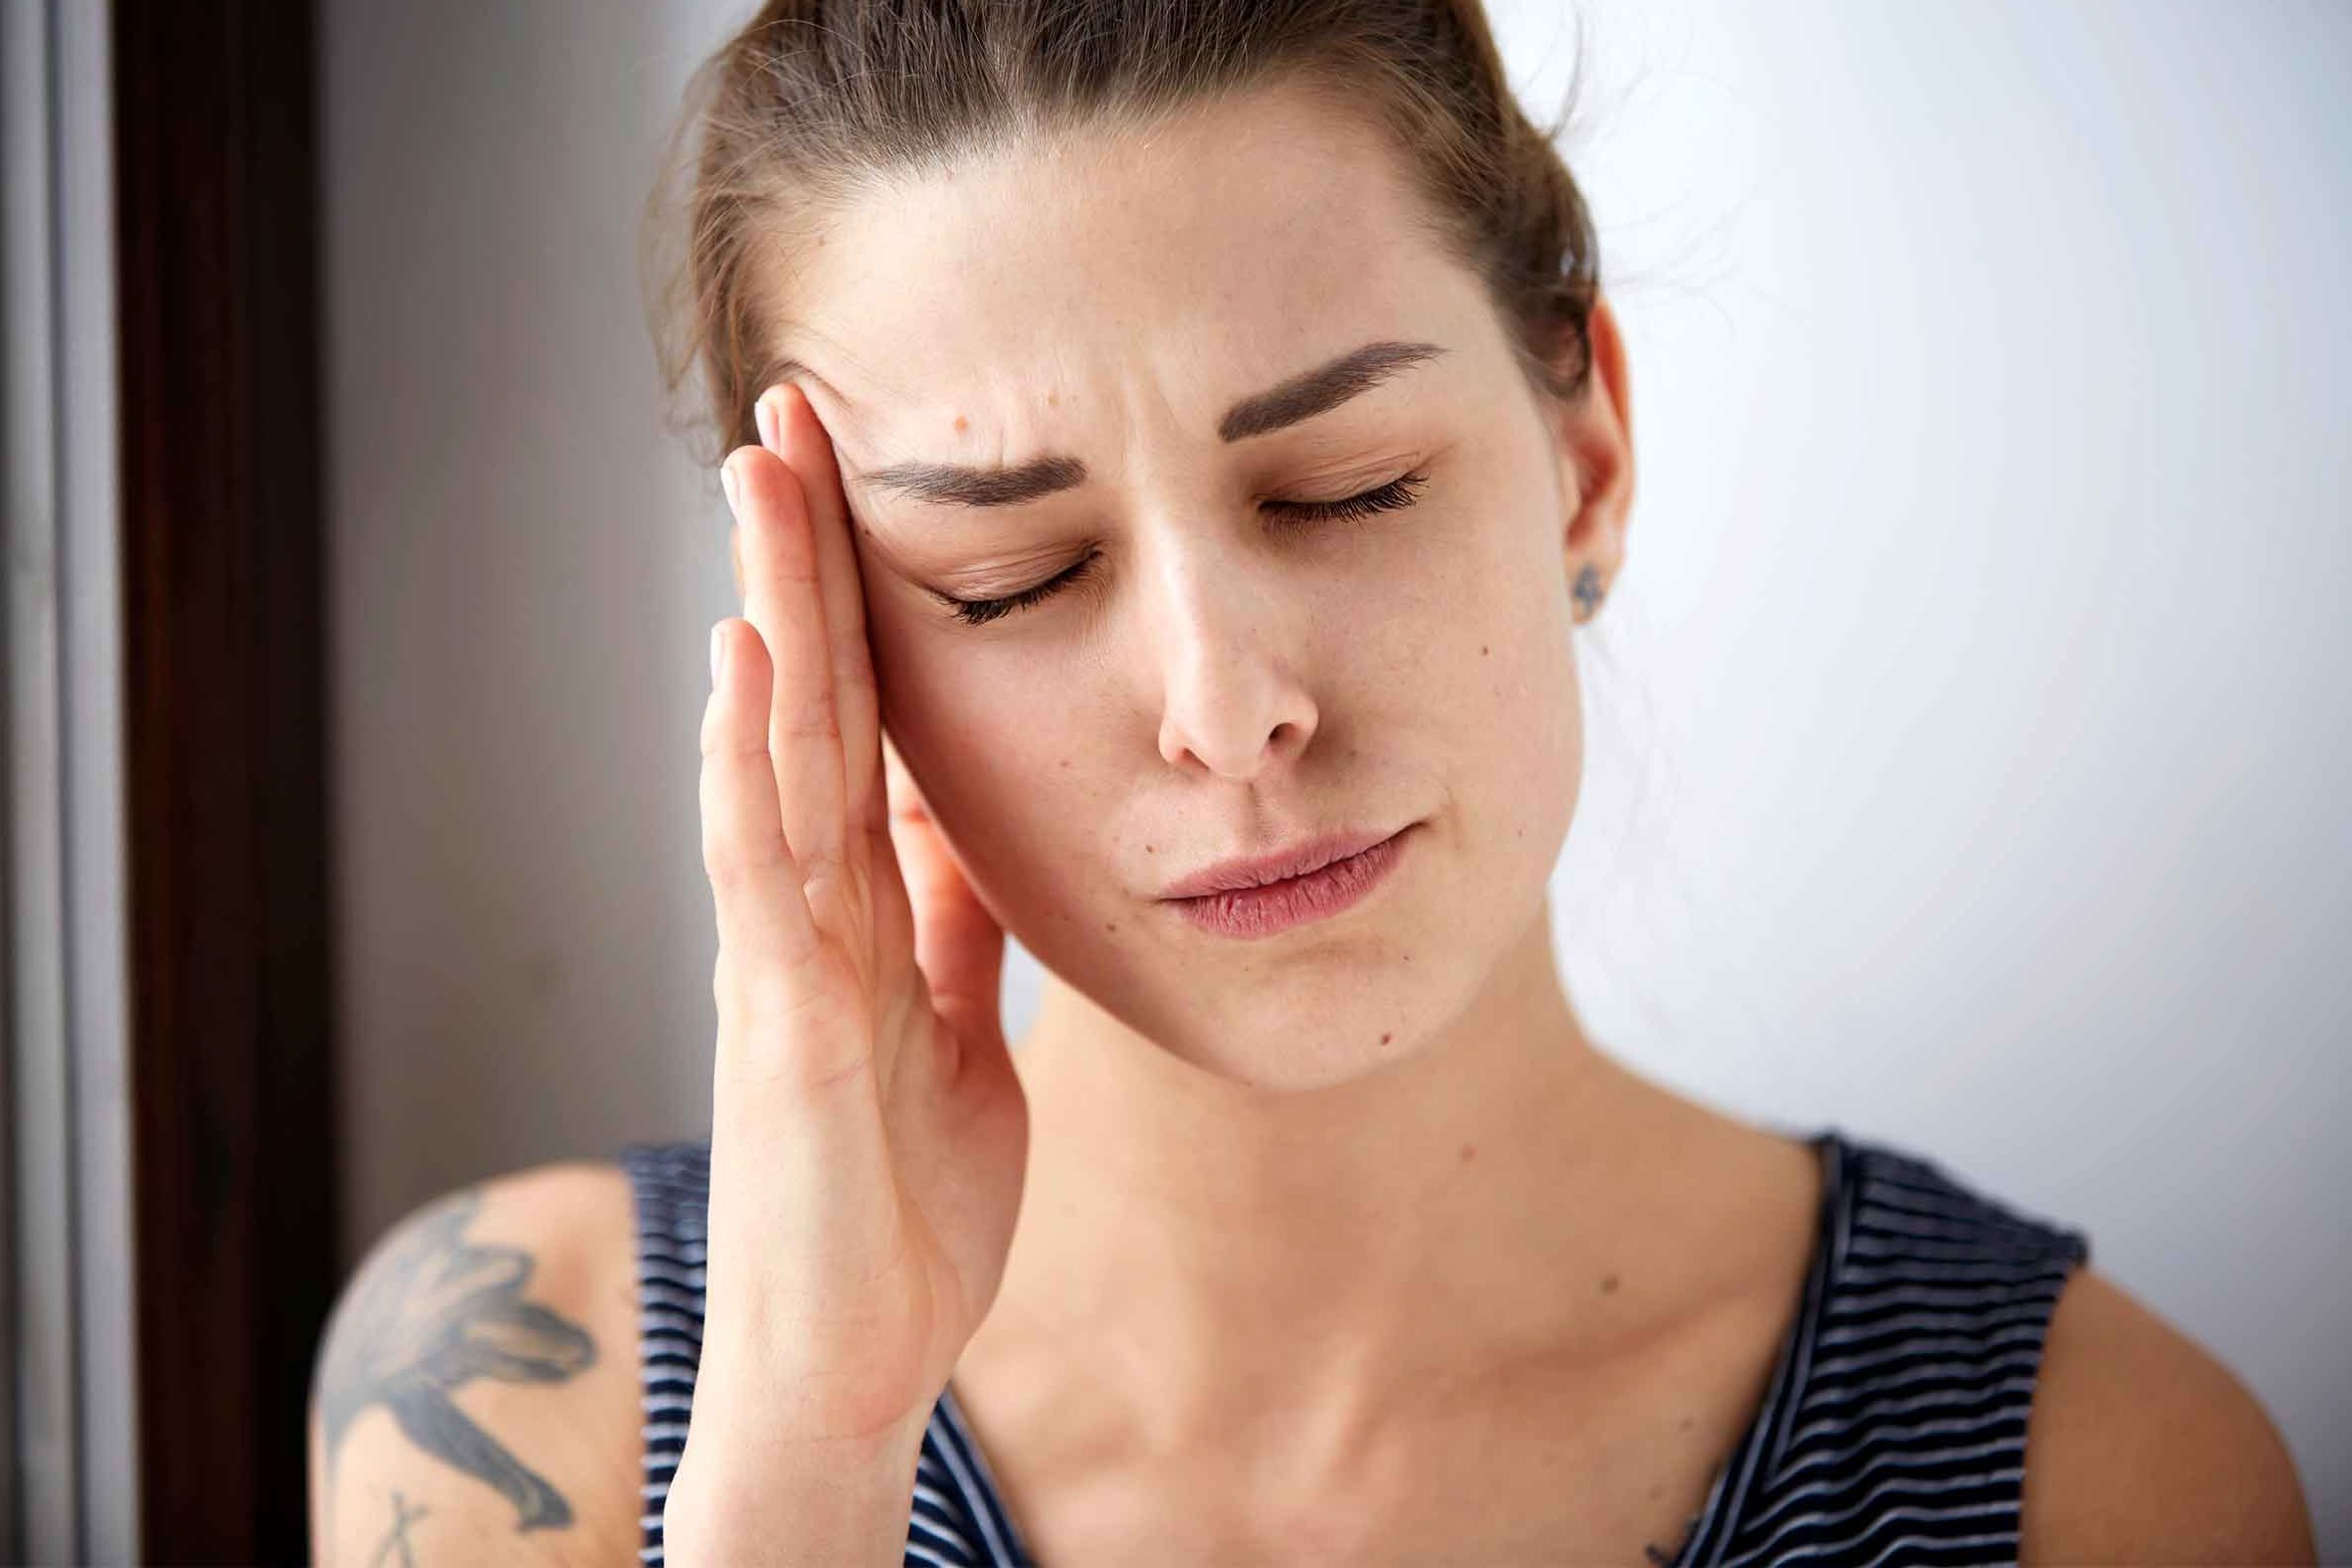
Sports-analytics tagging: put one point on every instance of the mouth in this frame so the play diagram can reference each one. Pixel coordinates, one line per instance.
(1243, 872)
(1260, 899)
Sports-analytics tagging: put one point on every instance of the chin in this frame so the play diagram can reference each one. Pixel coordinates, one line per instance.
(1309, 1031)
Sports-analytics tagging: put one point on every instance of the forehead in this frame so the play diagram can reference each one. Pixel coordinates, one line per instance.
(1182, 263)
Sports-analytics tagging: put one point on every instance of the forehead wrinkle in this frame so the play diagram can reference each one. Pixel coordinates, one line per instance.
(991, 476)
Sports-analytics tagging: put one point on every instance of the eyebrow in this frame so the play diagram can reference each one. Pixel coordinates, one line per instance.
(1302, 397)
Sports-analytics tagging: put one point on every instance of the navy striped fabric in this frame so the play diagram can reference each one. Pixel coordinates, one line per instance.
(1892, 1430)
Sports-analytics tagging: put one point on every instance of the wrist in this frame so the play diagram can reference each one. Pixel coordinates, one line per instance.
(796, 1502)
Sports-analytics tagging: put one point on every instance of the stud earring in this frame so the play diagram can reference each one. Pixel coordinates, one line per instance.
(1586, 592)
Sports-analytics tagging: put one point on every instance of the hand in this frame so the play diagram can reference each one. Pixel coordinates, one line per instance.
(869, 1134)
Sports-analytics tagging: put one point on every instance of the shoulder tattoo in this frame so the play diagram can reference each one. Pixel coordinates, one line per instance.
(429, 1312)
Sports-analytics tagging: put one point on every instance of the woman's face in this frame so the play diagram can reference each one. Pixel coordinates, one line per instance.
(1225, 675)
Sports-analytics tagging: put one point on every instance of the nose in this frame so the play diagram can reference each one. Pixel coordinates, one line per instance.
(1229, 644)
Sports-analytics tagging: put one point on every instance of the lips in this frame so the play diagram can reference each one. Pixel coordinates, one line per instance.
(1258, 870)
(1270, 909)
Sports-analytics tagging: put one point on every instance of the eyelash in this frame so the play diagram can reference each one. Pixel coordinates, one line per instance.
(1396, 493)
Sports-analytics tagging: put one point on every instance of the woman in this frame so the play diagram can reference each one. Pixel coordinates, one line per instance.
(1191, 432)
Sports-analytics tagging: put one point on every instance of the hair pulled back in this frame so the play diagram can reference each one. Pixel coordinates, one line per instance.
(812, 97)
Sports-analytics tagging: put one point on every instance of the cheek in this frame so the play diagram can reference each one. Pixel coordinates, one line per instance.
(1002, 765)
(1518, 726)
(1547, 765)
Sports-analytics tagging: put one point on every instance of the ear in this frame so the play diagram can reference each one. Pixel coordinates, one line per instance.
(1596, 451)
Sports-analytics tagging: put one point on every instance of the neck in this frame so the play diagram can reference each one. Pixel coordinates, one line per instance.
(1213, 1250)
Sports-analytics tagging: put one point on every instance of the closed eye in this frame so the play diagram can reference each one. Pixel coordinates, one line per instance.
(1396, 493)
(1387, 498)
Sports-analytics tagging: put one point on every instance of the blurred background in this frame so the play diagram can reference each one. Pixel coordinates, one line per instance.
(1969, 728)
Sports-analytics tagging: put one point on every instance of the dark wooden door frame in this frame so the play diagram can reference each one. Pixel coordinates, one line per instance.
(231, 1027)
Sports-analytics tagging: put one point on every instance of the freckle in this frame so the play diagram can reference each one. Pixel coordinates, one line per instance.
(1685, 1424)
(1053, 398)
(1384, 1038)
(1482, 649)
(1608, 1284)
(1469, 1152)
(1147, 848)
(1111, 926)
(1657, 1488)
(962, 423)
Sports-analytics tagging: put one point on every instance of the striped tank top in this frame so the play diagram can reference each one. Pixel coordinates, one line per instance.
(1893, 1430)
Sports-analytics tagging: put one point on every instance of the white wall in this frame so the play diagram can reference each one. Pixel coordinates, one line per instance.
(1980, 652)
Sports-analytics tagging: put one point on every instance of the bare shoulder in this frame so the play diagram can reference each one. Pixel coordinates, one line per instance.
(475, 1391)
(2142, 1447)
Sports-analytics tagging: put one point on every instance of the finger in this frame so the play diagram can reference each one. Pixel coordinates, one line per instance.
(792, 430)
(800, 1158)
(767, 942)
(782, 600)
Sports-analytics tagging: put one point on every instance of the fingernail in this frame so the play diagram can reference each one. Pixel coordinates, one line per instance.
(763, 414)
(718, 652)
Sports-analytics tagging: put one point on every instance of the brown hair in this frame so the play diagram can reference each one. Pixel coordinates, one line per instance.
(813, 96)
